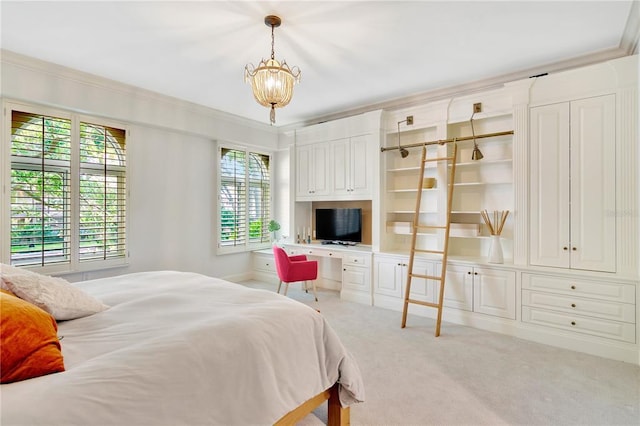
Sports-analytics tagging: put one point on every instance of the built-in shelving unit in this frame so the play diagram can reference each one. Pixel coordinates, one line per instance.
(485, 184)
(400, 181)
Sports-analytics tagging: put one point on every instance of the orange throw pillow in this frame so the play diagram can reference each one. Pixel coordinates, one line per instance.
(29, 345)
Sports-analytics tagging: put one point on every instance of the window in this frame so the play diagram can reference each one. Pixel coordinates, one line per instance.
(245, 200)
(68, 192)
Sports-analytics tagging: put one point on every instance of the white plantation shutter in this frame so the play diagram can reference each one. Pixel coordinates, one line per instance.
(245, 199)
(40, 189)
(68, 193)
(102, 192)
(259, 198)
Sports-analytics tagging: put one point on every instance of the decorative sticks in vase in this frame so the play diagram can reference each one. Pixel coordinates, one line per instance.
(495, 228)
(499, 218)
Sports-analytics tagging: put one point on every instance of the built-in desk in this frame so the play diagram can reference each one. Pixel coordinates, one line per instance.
(349, 273)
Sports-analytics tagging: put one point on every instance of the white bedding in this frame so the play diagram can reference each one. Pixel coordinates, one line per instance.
(185, 349)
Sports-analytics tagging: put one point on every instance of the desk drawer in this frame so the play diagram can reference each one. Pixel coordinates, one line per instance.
(615, 292)
(264, 263)
(356, 259)
(581, 324)
(571, 304)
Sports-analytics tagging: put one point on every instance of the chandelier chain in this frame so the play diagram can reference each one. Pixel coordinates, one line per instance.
(273, 56)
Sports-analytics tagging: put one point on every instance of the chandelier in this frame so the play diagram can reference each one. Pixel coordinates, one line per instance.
(272, 81)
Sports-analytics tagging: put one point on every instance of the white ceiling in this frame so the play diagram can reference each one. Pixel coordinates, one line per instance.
(352, 53)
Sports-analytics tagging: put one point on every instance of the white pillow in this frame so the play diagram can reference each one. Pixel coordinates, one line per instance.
(54, 295)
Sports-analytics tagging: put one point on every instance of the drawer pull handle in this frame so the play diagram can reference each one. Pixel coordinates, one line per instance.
(573, 305)
(573, 323)
(573, 287)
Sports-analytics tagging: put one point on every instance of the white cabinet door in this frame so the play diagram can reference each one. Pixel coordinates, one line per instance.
(572, 185)
(593, 185)
(423, 289)
(389, 275)
(356, 278)
(312, 173)
(549, 185)
(351, 160)
(458, 287)
(494, 292)
(340, 155)
(361, 173)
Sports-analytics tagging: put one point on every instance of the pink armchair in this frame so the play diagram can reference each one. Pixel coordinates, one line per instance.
(292, 269)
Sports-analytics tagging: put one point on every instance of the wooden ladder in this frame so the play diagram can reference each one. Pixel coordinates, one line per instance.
(419, 227)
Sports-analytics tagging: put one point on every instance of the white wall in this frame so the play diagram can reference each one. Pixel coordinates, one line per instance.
(171, 157)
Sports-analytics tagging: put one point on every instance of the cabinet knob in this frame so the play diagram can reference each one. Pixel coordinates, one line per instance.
(573, 305)
(355, 260)
(565, 248)
(330, 254)
(573, 323)
(399, 264)
(574, 249)
(469, 273)
(475, 273)
(573, 287)
(344, 269)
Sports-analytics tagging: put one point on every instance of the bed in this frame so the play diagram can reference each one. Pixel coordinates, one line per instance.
(181, 348)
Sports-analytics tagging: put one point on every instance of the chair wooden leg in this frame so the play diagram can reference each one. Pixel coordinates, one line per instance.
(279, 284)
(313, 283)
(286, 287)
(306, 287)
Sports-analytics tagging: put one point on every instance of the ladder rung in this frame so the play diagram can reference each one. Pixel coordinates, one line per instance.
(426, 277)
(420, 302)
(431, 227)
(429, 251)
(438, 159)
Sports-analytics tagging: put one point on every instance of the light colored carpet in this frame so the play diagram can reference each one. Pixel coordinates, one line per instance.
(468, 376)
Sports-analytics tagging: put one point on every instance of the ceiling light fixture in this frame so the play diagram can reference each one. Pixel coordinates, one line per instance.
(272, 81)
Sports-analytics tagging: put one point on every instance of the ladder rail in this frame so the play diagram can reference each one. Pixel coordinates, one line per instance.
(416, 226)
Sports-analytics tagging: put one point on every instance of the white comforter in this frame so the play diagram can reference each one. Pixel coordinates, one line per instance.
(185, 349)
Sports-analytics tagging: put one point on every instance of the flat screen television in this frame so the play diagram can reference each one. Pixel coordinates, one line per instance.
(339, 225)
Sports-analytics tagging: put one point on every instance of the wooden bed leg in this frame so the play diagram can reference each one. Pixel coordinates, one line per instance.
(337, 415)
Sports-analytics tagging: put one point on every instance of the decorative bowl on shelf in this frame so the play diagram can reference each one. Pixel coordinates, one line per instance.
(429, 182)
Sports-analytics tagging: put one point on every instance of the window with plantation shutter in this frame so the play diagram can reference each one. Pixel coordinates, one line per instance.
(68, 193)
(40, 189)
(245, 200)
(102, 192)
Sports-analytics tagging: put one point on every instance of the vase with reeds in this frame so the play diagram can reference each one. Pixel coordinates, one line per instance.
(495, 226)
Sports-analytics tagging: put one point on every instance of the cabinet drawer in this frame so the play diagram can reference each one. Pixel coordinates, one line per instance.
(589, 307)
(356, 260)
(264, 263)
(597, 327)
(615, 292)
